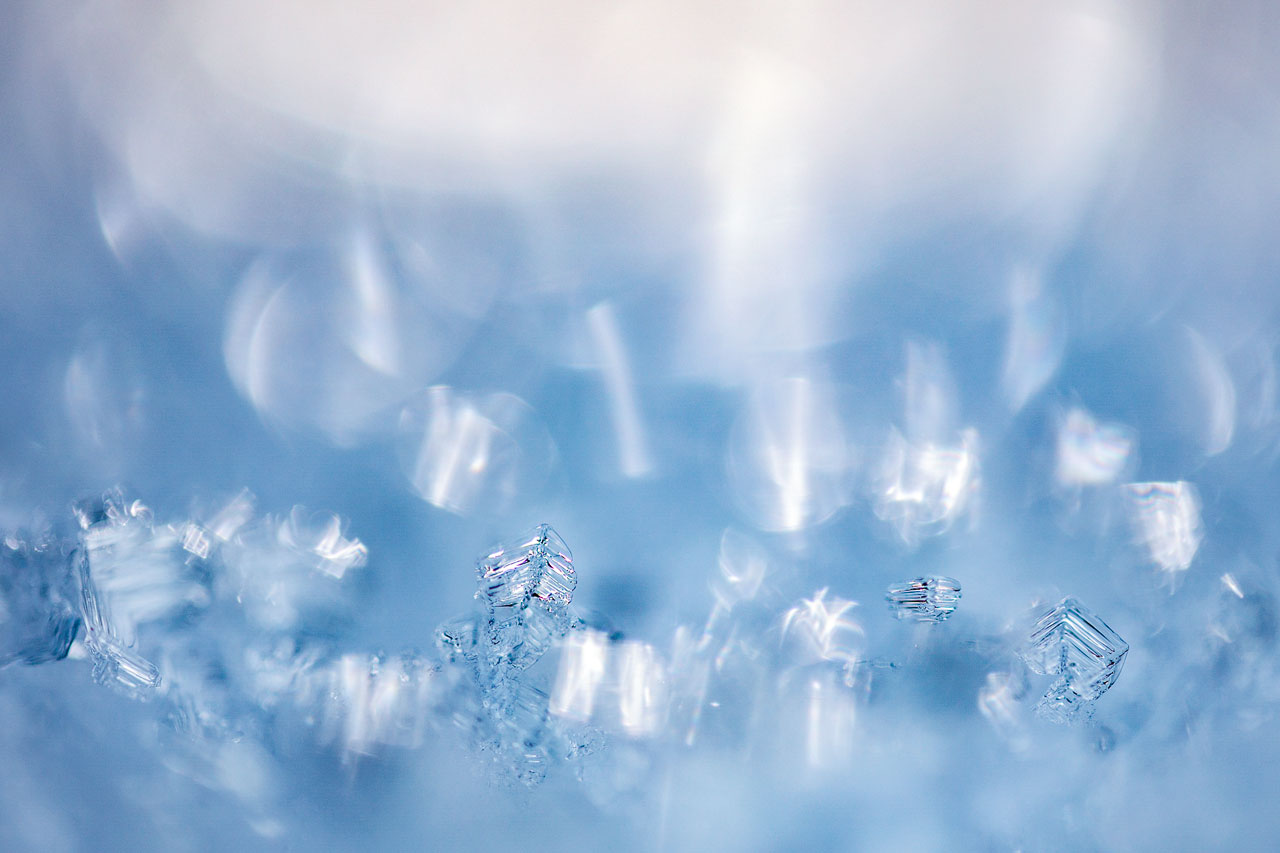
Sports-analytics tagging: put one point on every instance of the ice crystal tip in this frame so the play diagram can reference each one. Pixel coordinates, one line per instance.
(1071, 642)
(537, 565)
(925, 599)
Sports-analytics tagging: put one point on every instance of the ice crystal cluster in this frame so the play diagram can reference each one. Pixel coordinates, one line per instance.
(161, 612)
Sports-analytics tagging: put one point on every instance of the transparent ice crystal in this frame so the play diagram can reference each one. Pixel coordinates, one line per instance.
(1069, 641)
(525, 587)
(926, 599)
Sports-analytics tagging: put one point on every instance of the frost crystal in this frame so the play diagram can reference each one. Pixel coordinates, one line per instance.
(1070, 641)
(527, 584)
(537, 565)
(930, 599)
(525, 587)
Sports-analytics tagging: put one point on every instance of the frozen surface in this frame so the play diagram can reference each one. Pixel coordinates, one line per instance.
(764, 311)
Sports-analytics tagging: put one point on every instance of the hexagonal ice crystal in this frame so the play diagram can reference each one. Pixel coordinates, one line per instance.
(928, 599)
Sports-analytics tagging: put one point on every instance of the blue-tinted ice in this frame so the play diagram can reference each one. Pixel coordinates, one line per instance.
(927, 599)
(1071, 642)
(38, 619)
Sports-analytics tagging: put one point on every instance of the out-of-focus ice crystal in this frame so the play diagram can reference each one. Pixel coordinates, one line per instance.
(37, 619)
(1090, 453)
(826, 628)
(928, 599)
(288, 572)
(131, 572)
(1166, 517)
(998, 701)
(1069, 641)
(140, 572)
(378, 700)
(923, 488)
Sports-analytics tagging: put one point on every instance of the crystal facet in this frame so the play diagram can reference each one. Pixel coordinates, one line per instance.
(927, 599)
(1069, 641)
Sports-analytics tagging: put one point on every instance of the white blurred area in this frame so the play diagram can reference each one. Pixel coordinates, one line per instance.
(774, 154)
(1166, 520)
(1091, 453)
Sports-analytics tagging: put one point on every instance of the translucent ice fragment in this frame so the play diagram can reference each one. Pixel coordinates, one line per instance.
(522, 734)
(923, 488)
(789, 461)
(642, 688)
(1166, 518)
(1070, 641)
(289, 573)
(320, 535)
(121, 669)
(537, 565)
(929, 599)
(140, 572)
(37, 620)
(1090, 453)
(457, 639)
(1036, 338)
(582, 667)
(466, 453)
(998, 703)
(825, 627)
(743, 566)
(829, 720)
(115, 665)
(378, 701)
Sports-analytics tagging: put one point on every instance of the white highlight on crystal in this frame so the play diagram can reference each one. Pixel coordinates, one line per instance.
(641, 689)
(1089, 453)
(633, 445)
(789, 460)
(743, 566)
(924, 488)
(1167, 520)
(1217, 393)
(464, 452)
(929, 394)
(1036, 339)
(830, 720)
(582, 668)
(997, 701)
(320, 534)
(826, 627)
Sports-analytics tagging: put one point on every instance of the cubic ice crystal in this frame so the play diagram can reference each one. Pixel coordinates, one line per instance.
(1069, 641)
(38, 621)
(925, 599)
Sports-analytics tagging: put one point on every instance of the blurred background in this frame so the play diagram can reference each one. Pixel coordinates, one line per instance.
(842, 293)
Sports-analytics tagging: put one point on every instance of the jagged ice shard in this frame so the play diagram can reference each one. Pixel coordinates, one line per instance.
(1071, 642)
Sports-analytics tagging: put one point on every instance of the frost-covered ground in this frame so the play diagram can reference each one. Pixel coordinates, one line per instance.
(764, 310)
